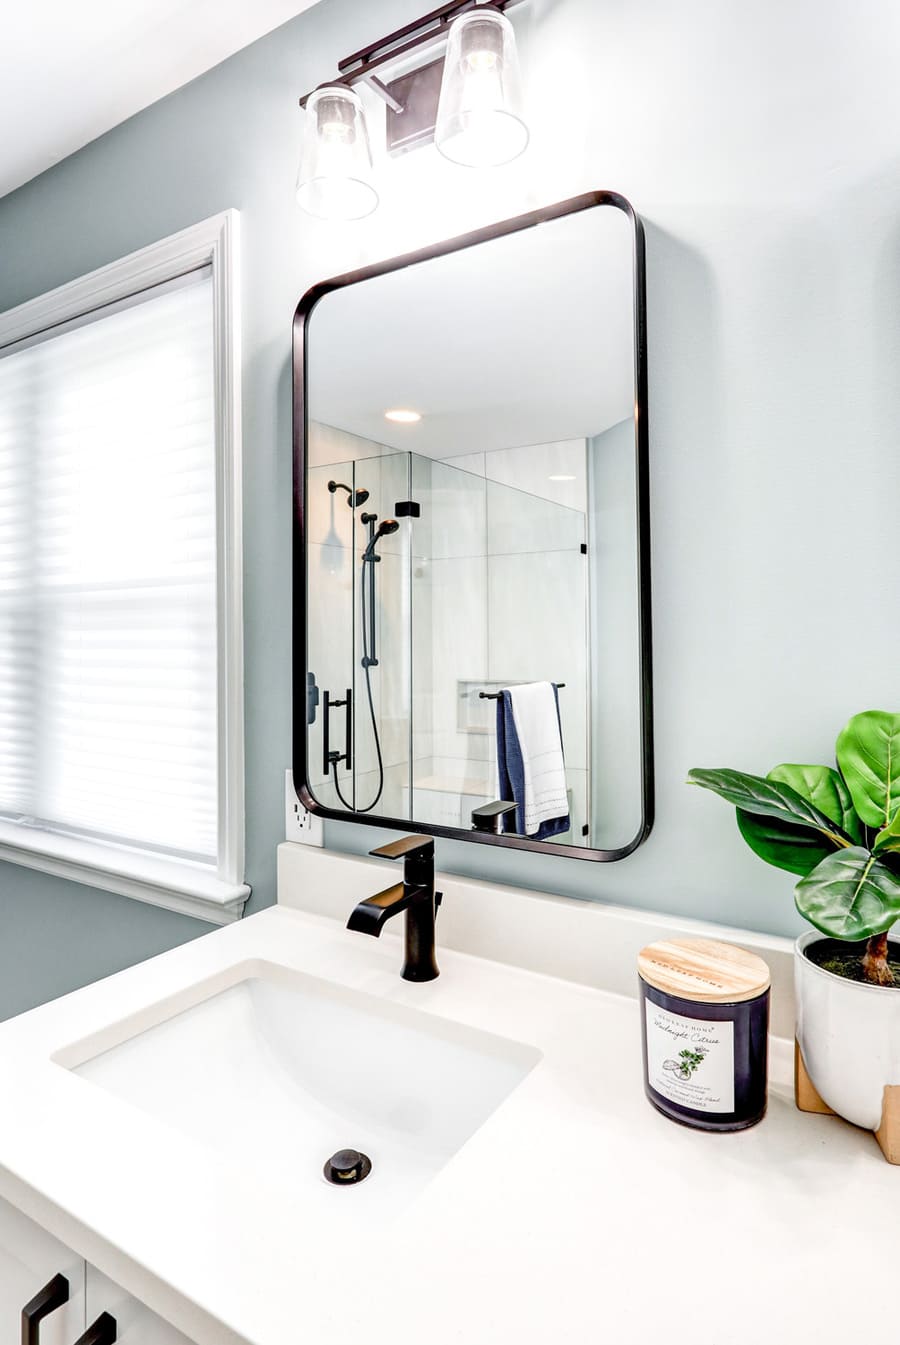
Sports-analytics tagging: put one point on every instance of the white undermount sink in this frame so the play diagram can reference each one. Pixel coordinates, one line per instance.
(279, 1070)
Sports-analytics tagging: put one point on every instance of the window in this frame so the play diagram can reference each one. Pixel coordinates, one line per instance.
(120, 687)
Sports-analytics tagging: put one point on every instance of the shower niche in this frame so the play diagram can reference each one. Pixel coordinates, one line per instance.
(471, 517)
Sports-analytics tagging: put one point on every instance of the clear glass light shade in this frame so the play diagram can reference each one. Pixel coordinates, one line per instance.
(335, 178)
(479, 119)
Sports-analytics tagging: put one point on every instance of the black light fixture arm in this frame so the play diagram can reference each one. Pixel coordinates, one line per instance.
(361, 66)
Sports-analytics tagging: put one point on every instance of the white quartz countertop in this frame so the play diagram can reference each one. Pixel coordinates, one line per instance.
(576, 1213)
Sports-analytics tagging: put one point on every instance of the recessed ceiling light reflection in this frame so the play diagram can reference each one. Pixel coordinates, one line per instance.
(401, 416)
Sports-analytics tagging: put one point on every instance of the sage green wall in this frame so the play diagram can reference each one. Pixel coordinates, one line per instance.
(759, 145)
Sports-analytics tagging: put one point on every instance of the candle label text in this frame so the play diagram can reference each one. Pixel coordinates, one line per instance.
(690, 1061)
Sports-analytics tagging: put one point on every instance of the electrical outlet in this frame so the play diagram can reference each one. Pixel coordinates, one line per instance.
(300, 824)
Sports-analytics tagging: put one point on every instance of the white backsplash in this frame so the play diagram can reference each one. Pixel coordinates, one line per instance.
(585, 942)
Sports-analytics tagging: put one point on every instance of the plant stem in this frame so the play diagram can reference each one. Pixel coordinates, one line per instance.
(875, 963)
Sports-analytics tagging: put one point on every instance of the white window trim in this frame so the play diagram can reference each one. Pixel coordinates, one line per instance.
(188, 888)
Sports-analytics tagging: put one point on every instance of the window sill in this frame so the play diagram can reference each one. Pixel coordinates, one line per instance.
(186, 888)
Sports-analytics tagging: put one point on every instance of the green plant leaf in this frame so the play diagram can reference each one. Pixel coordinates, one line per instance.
(868, 753)
(889, 837)
(850, 895)
(787, 846)
(826, 790)
(768, 798)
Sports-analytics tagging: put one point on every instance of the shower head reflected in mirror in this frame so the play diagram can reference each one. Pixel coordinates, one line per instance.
(354, 497)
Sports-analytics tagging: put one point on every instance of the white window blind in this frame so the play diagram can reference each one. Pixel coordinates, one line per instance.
(108, 563)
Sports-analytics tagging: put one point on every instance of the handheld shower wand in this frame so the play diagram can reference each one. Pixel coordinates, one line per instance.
(370, 559)
(384, 529)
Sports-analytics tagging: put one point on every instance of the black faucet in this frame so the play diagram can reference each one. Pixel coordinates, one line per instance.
(416, 896)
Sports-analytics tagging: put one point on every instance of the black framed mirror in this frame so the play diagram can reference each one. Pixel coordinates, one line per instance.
(472, 642)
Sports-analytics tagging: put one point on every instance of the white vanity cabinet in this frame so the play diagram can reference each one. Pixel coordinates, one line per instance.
(135, 1323)
(30, 1259)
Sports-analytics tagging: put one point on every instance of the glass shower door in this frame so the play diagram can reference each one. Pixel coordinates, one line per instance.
(498, 597)
(537, 603)
(451, 770)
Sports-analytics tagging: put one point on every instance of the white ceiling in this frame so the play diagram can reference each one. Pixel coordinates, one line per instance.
(69, 71)
(528, 339)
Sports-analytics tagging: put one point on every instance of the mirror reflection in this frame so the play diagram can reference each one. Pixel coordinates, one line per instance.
(472, 545)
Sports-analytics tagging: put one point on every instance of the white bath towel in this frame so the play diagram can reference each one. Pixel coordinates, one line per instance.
(540, 741)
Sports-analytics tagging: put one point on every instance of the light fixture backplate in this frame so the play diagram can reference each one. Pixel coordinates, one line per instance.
(417, 92)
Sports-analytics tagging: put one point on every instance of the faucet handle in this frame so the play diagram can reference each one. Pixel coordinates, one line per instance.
(419, 847)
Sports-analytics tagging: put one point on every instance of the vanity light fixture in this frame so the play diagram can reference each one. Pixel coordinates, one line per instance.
(467, 102)
(401, 416)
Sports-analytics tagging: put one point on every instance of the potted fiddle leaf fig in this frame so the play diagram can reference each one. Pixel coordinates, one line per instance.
(839, 831)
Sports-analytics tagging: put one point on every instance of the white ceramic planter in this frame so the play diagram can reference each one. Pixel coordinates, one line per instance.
(849, 1035)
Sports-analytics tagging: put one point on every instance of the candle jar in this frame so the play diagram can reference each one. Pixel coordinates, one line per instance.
(705, 1023)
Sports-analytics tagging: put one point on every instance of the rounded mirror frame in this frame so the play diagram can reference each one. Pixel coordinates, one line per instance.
(586, 201)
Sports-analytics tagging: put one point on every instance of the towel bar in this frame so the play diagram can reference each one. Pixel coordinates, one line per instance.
(495, 695)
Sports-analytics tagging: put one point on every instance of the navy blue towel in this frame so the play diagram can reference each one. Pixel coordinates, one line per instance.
(512, 776)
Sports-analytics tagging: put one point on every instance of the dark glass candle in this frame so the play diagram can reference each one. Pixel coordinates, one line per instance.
(704, 1026)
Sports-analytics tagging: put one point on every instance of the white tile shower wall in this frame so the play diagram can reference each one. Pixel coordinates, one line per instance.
(394, 794)
(455, 620)
(421, 607)
(391, 684)
(458, 509)
(459, 632)
(330, 634)
(538, 631)
(327, 444)
(532, 467)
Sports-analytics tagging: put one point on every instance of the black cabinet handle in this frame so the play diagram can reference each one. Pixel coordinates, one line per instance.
(102, 1332)
(53, 1295)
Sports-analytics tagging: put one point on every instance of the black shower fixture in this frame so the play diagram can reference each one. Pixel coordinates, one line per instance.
(369, 660)
(354, 497)
(384, 529)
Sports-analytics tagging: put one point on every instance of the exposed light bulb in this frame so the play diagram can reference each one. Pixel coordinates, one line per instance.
(479, 119)
(334, 132)
(478, 61)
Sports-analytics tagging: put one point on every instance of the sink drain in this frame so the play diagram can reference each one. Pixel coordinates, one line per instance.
(347, 1167)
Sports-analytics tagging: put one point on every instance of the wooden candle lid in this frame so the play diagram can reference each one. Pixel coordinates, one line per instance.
(703, 970)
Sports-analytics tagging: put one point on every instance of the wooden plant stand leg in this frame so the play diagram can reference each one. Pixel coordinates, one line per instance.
(805, 1095)
(887, 1134)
